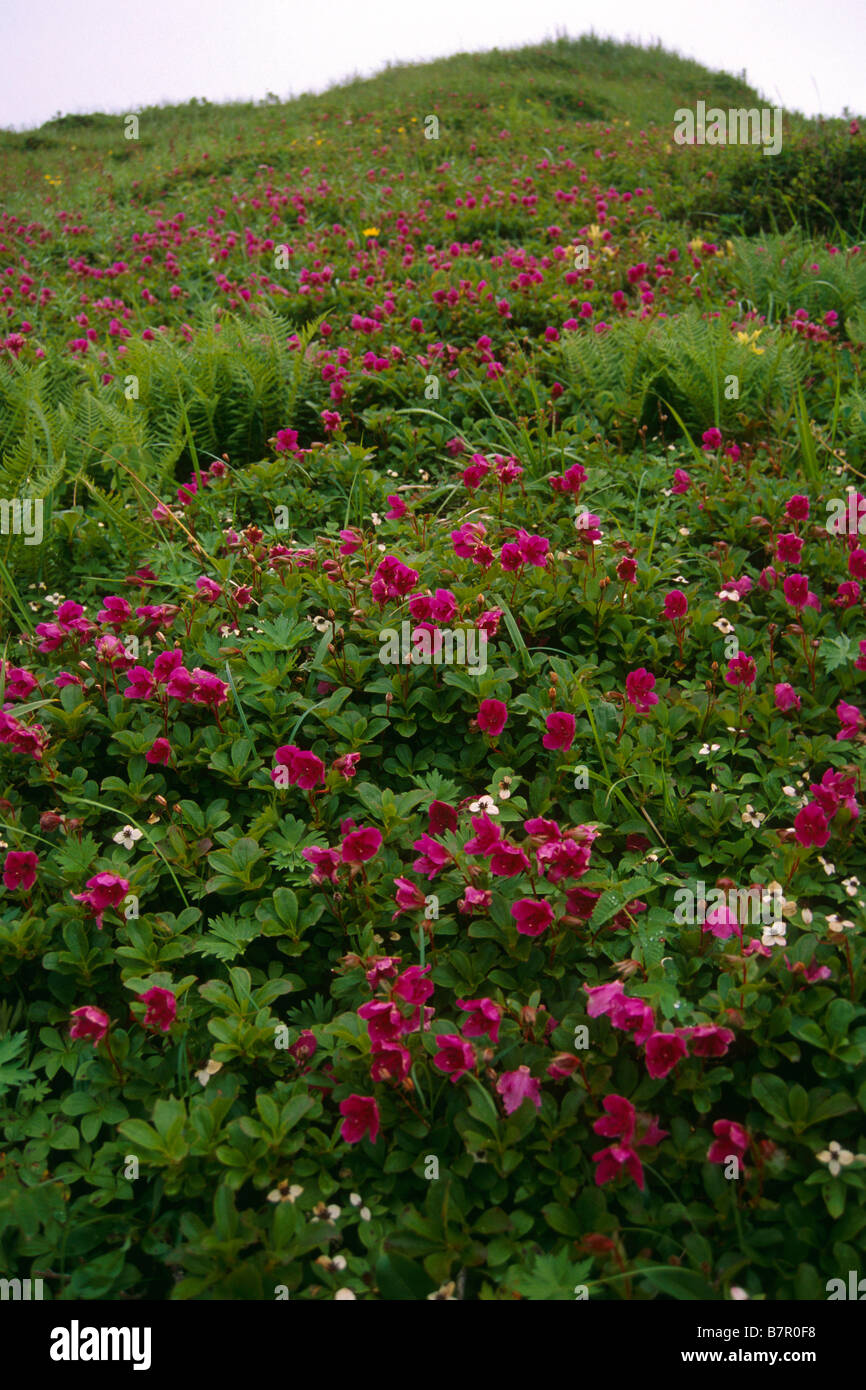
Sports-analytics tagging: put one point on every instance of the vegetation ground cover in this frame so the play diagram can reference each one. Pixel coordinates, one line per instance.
(327, 973)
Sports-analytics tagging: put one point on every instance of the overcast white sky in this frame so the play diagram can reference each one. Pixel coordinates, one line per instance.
(111, 55)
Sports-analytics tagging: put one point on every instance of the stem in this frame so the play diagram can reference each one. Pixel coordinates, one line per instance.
(107, 1041)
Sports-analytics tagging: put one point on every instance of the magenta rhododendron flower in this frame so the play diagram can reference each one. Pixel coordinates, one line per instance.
(396, 507)
(381, 968)
(413, 984)
(507, 860)
(851, 720)
(632, 1015)
(346, 765)
(711, 439)
(601, 997)
(408, 896)
(581, 903)
(441, 816)
(663, 1051)
(532, 916)
(489, 621)
(325, 863)
(352, 541)
(420, 607)
(682, 482)
(768, 578)
(676, 605)
(623, 1123)
(454, 1056)
(484, 1017)
(432, 857)
(848, 596)
(304, 1048)
(111, 651)
(731, 1141)
(486, 838)
(517, 1086)
(443, 606)
(797, 507)
(361, 845)
(741, 670)
(560, 731)
(477, 471)
(161, 1008)
(390, 1061)
(302, 769)
(19, 869)
(735, 589)
(857, 563)
(31, 741)
(810, 973)
(786, 697)
(834, 791)
(543, 831)
(533, 549)
(468, 539)
(115, 613)
(181, 684)
(18, 683)
(286, 441)
(208, 589)
(619, 1120)
(89, 1022)
(209, 689)
(722, 923)
(614, 1160)
(588, 527)
(639, 690)
(810, 826)
(392, 580)
(708, 1040)
(789, 548)
(571, 481)
(383, 1019)
(492, 717)
(474, 901)
(796, 590)
(361, 1116)
(102, 892)
(159, 753)
(165, 664)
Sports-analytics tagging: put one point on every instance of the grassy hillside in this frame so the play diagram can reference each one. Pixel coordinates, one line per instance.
(472, 349)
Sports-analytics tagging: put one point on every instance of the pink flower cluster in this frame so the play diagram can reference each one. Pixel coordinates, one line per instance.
(662, 1050)
(631, 1130)
(171, 680)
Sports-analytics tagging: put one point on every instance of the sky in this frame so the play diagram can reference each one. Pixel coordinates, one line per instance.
(107, 55)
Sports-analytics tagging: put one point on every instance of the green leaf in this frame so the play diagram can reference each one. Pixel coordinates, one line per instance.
(551, 1278)
(772, 1093)
(12, 1072)
(679, 1283)
(798, 1105)
(561, 1220)
(399, 1278)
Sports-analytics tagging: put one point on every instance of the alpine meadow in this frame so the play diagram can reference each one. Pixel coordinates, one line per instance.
(432, 572)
